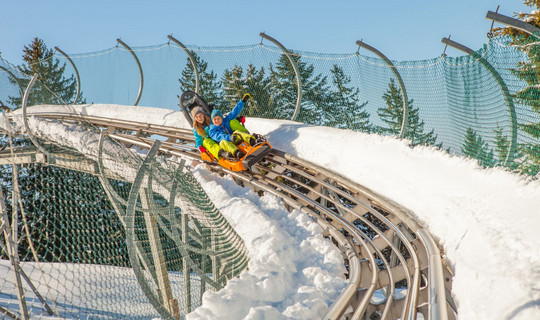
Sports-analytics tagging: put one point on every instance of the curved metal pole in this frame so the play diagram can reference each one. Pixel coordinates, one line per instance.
(21, 92)
(130, 232)
(76, 74)
(50, 157)
(25, 118)
(117, 202)
(506, 94)
(191, 59)
(296, 72)
(514, 23)
(401, 85)
(141, 84)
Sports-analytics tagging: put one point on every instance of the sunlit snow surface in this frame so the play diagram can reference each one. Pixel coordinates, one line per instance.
(486, 220)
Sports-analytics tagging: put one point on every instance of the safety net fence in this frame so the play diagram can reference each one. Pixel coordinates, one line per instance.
(92, 228)
(483, 105)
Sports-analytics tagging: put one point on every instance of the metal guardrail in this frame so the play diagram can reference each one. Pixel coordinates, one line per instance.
(394, 267)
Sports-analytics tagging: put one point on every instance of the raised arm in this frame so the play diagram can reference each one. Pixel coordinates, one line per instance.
(238, 108)
(217, 135)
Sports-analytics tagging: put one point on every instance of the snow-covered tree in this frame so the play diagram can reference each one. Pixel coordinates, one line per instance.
(475, 147)
(209, 86)
(529, 72)
(315, 92)
(52, 86)
(392, 116)
(236, 84)
(346, 112)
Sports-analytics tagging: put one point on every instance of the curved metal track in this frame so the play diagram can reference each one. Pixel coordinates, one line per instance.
(394, 266)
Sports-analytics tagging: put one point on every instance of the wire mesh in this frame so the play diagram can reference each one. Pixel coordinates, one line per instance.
(77, 218)
(458, 103)
(104, 230)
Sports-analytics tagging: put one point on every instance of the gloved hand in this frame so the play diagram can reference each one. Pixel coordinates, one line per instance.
(236, 139)
(202, 149)
(241, 119)
(246, 97)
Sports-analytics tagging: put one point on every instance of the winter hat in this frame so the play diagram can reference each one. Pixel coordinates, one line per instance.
(196, 110)
(216, 113)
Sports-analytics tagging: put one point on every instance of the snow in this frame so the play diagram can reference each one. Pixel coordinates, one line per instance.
(293, 271)
(80, 291)
(486, 220)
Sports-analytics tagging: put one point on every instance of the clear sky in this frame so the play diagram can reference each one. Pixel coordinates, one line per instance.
(402, 30)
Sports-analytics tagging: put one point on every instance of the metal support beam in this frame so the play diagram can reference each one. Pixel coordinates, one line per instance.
(400, 82)
(25, 118)
(141, 83)
(191, 59)
(13, 253)
(296, 72)
(514, 23)
(76, 74)
(185, 265)
(164, 291)
(131, 236)
(504, 89)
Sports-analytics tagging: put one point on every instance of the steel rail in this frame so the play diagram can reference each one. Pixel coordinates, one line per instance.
(337, 216)
(145, 143)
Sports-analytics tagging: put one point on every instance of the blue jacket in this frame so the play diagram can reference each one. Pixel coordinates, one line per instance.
(224, 131)
(198, 138)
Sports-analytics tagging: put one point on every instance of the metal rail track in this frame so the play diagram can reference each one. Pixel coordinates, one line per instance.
(394, 266)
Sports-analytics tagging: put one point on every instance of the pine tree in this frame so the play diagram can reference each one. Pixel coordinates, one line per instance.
(235, 85)
(209, 86)
(52, 87)
(475, 147)
(529, 72)
(501, 149)
(315, 91)
(392, 116)
(346, 111)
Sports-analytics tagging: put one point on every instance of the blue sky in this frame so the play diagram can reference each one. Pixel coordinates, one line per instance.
(402, 30)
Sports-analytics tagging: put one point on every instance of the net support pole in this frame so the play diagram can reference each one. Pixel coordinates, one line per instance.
(504, 89)
(296, 72)
(131, 238)
(141, 77)
(117, 202)
(15, 175)
(163, 283)
(400, 82)
(18, 199)
(185, 265)
(514, 23)
(191, 59)
(13, 253)
(25, 118)
(76, 74)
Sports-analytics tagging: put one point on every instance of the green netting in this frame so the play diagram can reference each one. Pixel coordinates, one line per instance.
(457, 104)
(80, 218)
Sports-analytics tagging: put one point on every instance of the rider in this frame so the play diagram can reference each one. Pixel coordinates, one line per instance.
(204, 143)
(221, 129)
